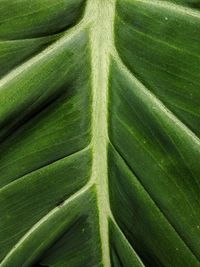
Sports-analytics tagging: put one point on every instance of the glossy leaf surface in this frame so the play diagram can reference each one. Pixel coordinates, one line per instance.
(99, 133)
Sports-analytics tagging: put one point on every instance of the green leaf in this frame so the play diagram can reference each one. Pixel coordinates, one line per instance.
(99, 133)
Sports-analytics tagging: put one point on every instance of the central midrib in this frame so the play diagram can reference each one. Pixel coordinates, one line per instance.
(101, 42)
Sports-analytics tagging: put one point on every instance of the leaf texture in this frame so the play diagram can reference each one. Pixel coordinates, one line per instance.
(99, 133)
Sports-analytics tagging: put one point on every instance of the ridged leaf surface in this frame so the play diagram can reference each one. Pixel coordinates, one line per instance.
(99, 133)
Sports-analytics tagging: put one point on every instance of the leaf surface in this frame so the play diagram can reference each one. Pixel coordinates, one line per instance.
(99, 133)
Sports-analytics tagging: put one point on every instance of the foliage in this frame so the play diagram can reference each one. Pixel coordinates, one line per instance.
(99, 132)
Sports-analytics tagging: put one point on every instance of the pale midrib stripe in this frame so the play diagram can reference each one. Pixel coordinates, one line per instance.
(101, 42)
(100, 15)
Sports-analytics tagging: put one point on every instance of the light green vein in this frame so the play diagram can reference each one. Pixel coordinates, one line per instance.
(158, 103)
(101, 37)
(154, 202)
